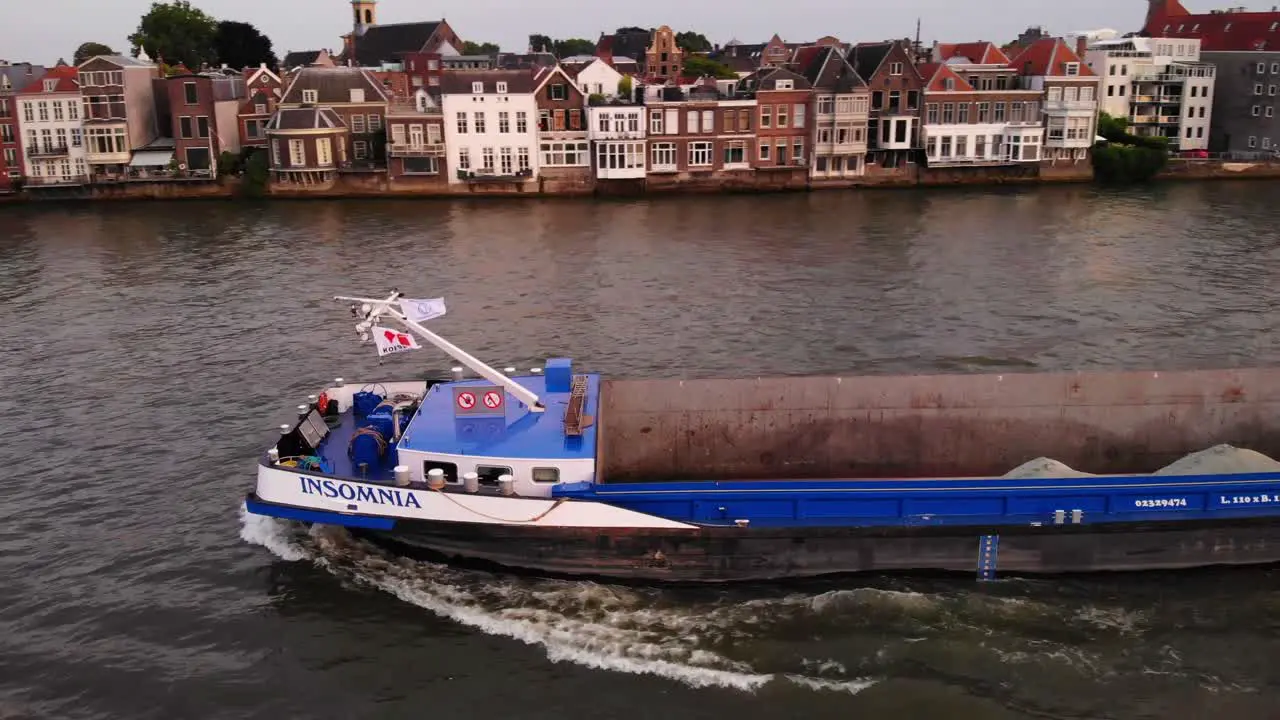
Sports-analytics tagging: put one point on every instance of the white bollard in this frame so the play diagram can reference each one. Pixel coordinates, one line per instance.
(402, 475)
(303, 410)
(506, 485)
(536, 370)
(435, 479)
(471, 482)
(337, 382)
(457, 373)
(273, 455)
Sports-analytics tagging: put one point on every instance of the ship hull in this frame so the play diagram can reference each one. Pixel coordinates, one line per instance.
(732, 554)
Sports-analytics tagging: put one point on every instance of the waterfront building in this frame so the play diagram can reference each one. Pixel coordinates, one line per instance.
(120, 111)
(490, 126)
(1160, 86)
(1245, 48)
(357, 98)
(616, 131)
(12, 79)
(893, 126)
(204, 109)
(307, 145)
(697, 132)
(415, 141)
(48, 111)
(977, 111)
(1069, 97)
(841, 105)
(783, 126)
(263, 90)
(564, 152)
(664, 60)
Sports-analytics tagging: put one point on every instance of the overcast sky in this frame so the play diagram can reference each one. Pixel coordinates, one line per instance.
(53, 28)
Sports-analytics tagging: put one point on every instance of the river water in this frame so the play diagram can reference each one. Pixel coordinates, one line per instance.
(149, 349)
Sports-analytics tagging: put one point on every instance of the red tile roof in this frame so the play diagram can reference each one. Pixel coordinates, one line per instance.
(1216, 31)
(935, 76)
(804, 57)
(1048, 57)
(65, 75)
(981, 52)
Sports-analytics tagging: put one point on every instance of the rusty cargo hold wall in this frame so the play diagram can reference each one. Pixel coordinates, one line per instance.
(928, 425)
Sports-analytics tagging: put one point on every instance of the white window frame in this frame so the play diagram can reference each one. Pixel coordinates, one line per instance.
(663, 156)
(310, 96)
(700, 151)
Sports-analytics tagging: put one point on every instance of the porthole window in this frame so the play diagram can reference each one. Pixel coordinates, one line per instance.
(546, 475)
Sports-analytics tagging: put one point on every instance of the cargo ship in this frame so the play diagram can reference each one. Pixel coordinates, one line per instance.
(561, 472)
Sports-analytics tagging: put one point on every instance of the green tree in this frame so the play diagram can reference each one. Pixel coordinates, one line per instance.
(177, 32)
(693, 42)
(241, 45)
(573, 46)
(540, 43)
(470, 48)
(699, 66)
(625, 87)
(1112, 128)
(90, 49)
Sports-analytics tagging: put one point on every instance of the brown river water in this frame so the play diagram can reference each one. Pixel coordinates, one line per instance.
(149, 349)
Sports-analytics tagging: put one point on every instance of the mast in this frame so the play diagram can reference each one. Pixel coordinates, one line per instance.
(373, 309)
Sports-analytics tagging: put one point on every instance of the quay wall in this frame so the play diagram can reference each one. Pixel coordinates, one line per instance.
(580, 183)
(928, 425)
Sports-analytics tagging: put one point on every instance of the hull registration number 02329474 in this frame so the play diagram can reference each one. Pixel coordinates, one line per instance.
(1164, 503)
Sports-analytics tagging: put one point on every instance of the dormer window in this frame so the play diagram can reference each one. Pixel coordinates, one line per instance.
(502, 88)
(310, 97)
(895, 68)
(1071, 68)
(948, 84)
(357, 95)
(50, 85)
(477, 88)
(785, 85)
(1180, 27)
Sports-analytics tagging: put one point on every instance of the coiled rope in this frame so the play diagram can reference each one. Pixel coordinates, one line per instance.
(372, 432)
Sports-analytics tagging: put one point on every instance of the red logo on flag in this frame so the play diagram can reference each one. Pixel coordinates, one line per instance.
(397, 338)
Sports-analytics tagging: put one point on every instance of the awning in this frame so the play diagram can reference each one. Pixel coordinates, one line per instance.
(151, 158)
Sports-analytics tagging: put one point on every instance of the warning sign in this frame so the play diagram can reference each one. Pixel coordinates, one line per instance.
(479, 400)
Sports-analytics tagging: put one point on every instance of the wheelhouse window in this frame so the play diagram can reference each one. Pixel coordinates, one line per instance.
(546, 475)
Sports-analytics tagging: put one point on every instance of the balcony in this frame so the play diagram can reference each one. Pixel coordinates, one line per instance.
(415, 149)
(1053, 106)
(479, 176)
(57, 181)
(47, 151)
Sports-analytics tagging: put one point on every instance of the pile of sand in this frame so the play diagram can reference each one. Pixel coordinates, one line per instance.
(1043, 467)
(1221, 459)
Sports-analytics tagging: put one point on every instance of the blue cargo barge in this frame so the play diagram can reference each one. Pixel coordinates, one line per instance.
(566, 473)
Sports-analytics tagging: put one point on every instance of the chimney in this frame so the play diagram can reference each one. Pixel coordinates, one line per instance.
(1082, 45)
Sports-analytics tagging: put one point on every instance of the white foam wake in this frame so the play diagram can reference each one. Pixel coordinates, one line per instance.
(597, 626)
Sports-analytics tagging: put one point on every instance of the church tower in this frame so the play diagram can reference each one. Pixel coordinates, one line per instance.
(365, 14)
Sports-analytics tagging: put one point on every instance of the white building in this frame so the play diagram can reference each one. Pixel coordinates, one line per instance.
(594, 76)
(49, 116)
(1159, 85)
(617, 132)
(490, 125)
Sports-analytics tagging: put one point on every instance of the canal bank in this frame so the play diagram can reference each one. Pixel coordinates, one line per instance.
(378, 184)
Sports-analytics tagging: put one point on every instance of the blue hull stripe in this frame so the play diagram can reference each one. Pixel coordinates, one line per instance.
(284, 512)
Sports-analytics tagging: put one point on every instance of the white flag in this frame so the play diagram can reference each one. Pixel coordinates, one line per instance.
(391, 341)
(422, 310)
